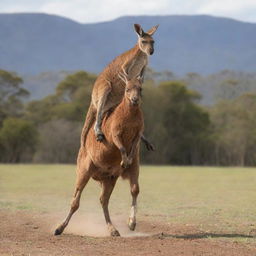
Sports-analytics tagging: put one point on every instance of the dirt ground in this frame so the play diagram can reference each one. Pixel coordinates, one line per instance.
(24, 233)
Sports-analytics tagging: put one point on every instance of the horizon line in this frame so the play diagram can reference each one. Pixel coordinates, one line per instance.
(129, 15)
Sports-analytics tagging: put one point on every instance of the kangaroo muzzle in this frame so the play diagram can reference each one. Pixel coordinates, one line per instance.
(135, 101)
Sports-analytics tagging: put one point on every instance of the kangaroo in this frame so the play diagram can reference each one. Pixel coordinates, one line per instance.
(109, 88)
(117, 155)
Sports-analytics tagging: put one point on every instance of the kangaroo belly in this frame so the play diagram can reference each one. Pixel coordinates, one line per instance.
(103, 154)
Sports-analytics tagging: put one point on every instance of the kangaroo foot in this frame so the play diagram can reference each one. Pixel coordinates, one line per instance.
(131, 224)
(113, 231)
(58, 231)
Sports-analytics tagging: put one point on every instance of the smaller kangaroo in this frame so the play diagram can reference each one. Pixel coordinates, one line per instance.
(109, 88)
(117, 155)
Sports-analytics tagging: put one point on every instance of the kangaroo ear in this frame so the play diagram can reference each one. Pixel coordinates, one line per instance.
(139, 30)
(152, 30)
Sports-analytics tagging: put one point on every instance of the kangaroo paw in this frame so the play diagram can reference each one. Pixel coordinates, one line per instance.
(124, 164)
(149, 146)
(100, 137)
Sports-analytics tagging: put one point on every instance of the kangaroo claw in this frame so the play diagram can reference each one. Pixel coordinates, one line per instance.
(149, 146)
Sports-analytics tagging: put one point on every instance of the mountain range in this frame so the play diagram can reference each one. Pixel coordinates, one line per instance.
(31, 43)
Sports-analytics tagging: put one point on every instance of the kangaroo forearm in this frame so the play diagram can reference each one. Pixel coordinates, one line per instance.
(143, 138)
(142, 73)
(148, 145)
(117, 141)
(134, 146)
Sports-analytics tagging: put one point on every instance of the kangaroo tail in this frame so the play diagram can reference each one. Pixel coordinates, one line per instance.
(90, 118)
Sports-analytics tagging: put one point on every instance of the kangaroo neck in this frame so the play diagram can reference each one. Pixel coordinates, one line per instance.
(128, 108)
(136, 62)
(138, 52)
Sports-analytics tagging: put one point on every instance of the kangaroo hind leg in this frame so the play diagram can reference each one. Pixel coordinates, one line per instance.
(83, 176)
(107, 188)
(134, 186)
(101, 110)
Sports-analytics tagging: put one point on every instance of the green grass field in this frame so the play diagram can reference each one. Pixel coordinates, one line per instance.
(215, 199)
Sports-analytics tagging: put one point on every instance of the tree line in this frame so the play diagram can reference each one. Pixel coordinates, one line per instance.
(183, 131)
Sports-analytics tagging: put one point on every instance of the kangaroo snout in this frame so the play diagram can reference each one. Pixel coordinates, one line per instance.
(135, 100)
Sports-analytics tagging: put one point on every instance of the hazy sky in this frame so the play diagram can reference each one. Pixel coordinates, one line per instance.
(101, 10)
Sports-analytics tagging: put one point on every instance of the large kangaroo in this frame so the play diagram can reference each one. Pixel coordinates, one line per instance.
(109, 88)
(117, 155)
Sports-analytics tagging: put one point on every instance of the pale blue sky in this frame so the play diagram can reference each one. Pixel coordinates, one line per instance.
(101, 10)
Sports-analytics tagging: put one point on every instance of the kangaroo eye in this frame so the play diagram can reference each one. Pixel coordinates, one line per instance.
(144, 42)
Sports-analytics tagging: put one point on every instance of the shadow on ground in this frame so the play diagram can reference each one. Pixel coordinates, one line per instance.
(202, 235)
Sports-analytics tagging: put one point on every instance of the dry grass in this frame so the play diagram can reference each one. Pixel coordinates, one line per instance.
(214, 199)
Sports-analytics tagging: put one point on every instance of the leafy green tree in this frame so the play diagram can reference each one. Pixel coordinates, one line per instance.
(41, 111)
(180, 127)
(58, 142)
(235, 131)
(186, 122)
(18, 139)
(70, 101)
(11, 95)
(152, 104)
(227, 90)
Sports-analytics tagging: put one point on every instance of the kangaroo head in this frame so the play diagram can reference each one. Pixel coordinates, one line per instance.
(133, 89)
(145, 39)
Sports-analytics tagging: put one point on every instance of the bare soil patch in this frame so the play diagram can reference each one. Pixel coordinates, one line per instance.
(27, 233)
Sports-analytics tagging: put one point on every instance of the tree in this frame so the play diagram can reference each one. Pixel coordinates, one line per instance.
(41, 111)
(70, 101)
(11, 95)
(18, 139)
(227, 90)
(178, 126)
(74, 93)
(234, 131)
(59, 142)
(186, 122)
(152, 104)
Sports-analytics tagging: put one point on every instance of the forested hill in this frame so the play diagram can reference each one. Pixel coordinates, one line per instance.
(33, 43)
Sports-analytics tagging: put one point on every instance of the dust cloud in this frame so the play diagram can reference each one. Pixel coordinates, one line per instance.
(94, 225)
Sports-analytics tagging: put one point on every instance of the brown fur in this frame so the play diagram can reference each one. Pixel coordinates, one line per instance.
(108, 89)
(117, 156)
